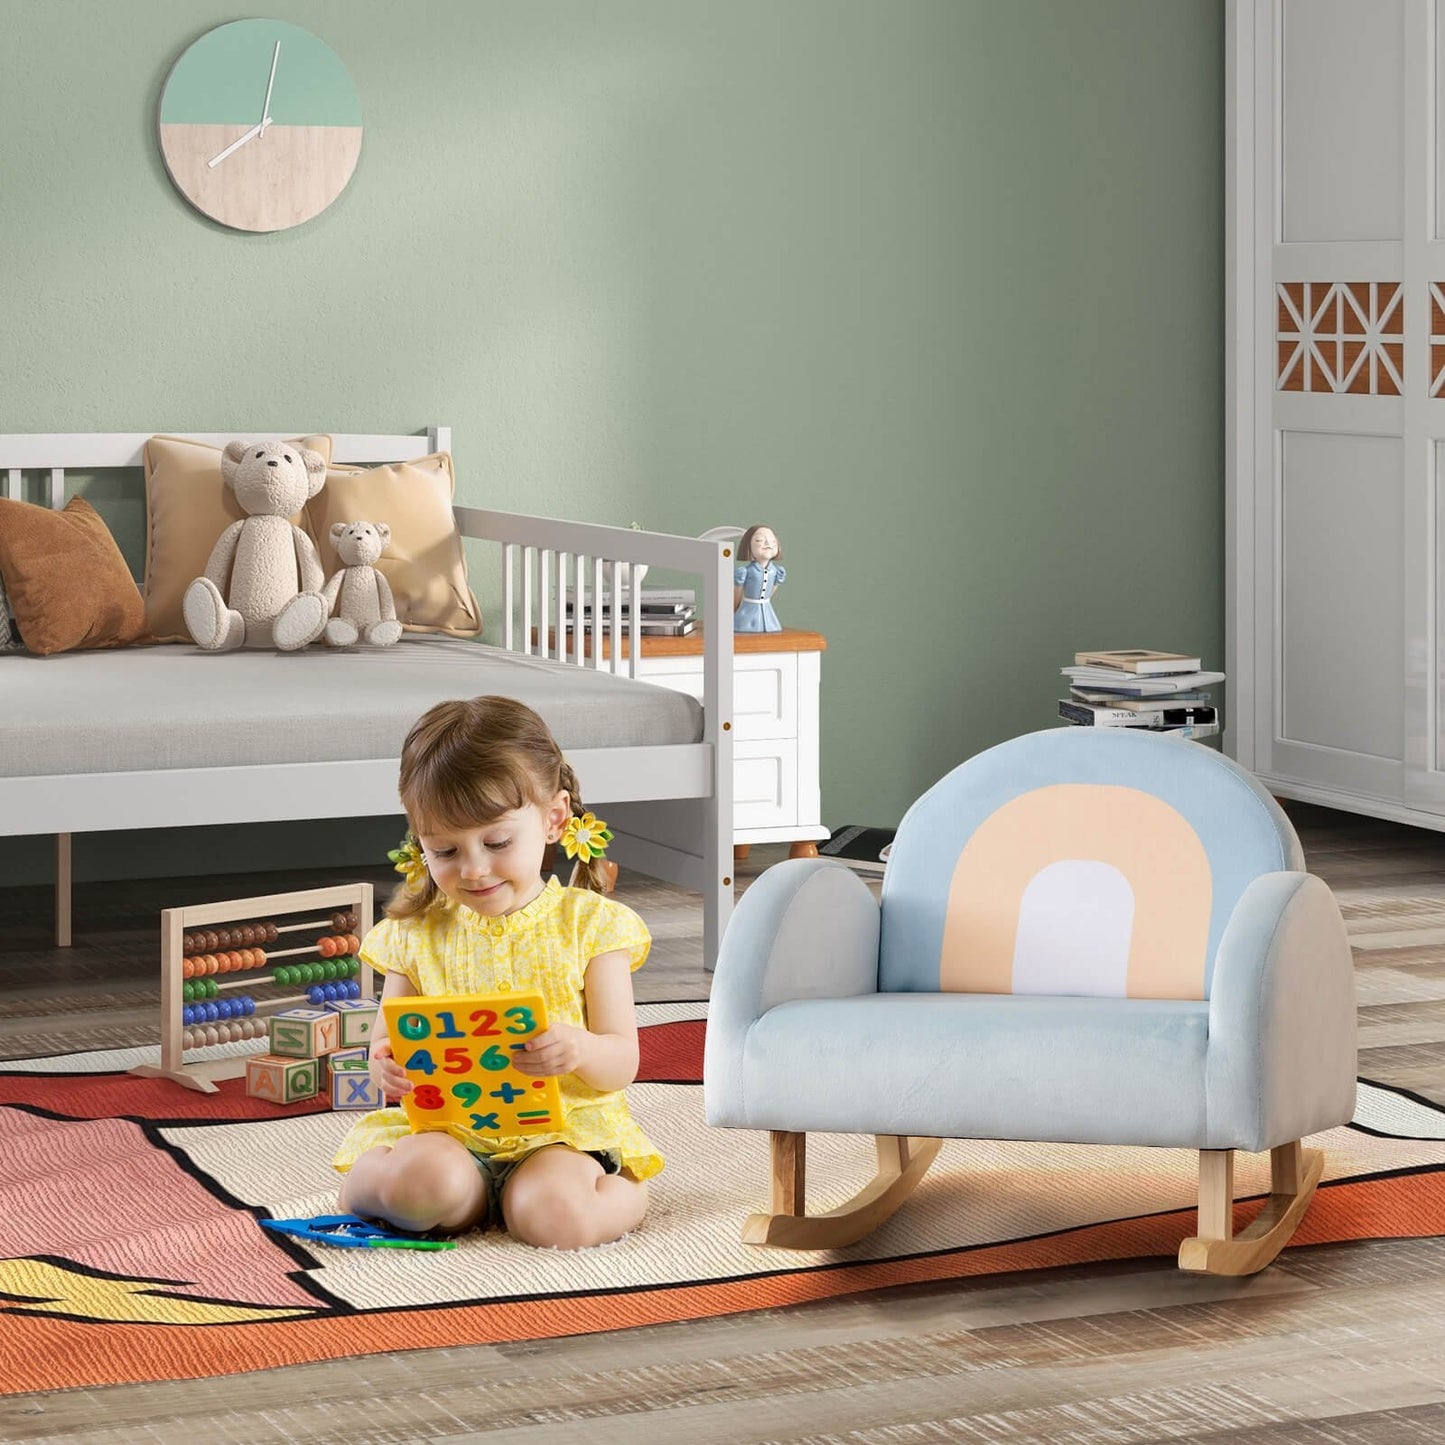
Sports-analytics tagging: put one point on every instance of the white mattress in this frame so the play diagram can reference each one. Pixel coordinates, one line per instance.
(139, 708)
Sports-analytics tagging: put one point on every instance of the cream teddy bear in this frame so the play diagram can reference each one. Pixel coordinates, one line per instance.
(262, 585)
(367, 610)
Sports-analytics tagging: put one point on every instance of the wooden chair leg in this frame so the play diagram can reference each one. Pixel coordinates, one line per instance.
(1294, 1176)
(902, 1162)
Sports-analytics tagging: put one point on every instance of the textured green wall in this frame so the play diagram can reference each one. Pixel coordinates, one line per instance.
(933, 287)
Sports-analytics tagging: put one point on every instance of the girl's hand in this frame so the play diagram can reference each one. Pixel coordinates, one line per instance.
(385, 1072)
(561, 1049)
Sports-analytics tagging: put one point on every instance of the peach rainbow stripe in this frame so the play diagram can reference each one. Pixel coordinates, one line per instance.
(1014, 915)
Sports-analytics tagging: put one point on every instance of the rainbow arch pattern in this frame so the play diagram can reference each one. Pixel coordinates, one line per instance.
(1080, 889)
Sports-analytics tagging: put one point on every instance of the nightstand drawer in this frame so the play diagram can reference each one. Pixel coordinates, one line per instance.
(765, 690)
(765, 783)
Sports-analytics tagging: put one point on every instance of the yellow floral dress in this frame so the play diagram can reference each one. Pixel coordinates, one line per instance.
(544, 947)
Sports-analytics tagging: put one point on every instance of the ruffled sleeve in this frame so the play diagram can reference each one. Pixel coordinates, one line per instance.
(740, 575)
(385, 948)
(614, 928)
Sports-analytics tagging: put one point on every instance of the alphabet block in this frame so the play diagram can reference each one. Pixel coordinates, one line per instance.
(357, 1017)
(282, 1080)
(351, 1088)
(305, 1033)
(348, 1058)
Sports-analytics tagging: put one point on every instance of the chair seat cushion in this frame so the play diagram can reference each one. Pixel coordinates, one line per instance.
(982, 1066)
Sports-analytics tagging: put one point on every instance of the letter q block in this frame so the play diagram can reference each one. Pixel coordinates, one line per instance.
(281, 1080)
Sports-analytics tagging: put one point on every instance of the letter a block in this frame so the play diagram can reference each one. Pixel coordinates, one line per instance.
(351, 1088)
(282, 1081)
(357, 1015)
(305, 1033)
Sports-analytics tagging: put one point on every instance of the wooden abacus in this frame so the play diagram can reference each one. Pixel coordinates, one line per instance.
(182, 966)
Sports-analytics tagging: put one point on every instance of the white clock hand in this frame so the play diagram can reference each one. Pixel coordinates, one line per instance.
(237, 144)
(266, 108)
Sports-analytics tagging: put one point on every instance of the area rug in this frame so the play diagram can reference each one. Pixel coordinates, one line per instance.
(130, 1249)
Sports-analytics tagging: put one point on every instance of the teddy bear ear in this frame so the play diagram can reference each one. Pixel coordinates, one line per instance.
(315, 465)
(384, 532)
(338, 531)
(231, 459)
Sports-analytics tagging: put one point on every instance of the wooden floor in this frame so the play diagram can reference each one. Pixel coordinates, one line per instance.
(1338, 1343)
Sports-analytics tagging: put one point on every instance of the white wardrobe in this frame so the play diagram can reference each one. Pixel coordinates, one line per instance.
(1335, 400)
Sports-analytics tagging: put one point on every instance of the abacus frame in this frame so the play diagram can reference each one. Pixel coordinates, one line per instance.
(202, 1074)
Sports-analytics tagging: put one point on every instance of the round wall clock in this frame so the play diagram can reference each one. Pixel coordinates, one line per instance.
(260, 125)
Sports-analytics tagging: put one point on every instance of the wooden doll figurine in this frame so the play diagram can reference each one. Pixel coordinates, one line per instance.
(757, 576)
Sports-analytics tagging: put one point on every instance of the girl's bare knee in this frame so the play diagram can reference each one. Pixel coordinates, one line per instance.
(424, 1182)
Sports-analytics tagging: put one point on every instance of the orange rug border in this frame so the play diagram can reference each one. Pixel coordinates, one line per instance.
(66, 1353)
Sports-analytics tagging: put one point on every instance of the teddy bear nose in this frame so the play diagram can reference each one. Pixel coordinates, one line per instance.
(272, 464)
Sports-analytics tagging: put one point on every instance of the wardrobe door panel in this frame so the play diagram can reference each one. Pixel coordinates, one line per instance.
(1343, 137)
(1339, 616)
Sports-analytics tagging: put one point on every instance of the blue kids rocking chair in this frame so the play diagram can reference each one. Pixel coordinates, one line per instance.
(1085, 936)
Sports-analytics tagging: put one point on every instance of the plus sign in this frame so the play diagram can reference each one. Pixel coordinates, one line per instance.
(507, 1093)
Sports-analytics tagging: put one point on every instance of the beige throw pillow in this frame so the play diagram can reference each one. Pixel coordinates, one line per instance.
(188, 506)
(424, 561)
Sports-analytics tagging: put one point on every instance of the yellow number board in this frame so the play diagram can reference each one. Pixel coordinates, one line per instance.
(457, 1050)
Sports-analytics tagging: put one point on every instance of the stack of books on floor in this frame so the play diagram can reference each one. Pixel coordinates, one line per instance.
(1162, 691)
(662, 612)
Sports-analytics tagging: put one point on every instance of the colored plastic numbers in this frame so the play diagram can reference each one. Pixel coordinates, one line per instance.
(466, 1081)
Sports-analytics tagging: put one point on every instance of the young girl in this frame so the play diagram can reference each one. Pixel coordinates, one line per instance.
(486, 790)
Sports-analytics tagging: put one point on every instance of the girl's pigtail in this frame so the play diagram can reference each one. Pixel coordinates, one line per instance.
(590, 869)
(416, 892)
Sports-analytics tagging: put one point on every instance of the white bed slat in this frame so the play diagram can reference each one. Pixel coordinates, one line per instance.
(57, 487)
(14, 484)
(529, 556)
(615, 662)
(509, 584)
(634, 619)
(599, 598)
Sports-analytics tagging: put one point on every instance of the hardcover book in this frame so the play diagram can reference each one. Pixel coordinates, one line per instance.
(1140, 661)
(861, 848)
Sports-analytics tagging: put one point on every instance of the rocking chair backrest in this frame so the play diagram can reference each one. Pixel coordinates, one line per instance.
(1077, 861)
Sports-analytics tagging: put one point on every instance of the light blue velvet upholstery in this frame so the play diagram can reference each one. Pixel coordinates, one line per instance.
(803, 1036)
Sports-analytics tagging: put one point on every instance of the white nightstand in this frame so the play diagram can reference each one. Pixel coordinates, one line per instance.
(775, 728)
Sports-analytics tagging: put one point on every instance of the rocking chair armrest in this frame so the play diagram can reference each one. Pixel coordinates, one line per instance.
(807, 928)
(1282, 1052)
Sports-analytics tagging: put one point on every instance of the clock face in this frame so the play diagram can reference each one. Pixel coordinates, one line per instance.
(260, 125)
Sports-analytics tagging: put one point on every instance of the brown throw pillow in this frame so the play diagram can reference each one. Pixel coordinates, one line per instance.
(188, 506)
(423, 562)
(67, 584)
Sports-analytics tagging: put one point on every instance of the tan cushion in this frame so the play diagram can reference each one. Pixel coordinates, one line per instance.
(68, 585)
(423, 562)
(188, 506)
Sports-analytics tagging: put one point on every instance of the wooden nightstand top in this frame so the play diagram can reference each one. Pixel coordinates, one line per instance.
(790, 639)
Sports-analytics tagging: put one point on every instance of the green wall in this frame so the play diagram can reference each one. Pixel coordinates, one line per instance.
(933, 287)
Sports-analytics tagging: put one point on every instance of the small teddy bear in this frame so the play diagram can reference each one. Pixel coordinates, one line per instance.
(262, 584)
(366, 609)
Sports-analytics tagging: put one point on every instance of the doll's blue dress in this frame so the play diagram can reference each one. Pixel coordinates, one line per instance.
(755, 612)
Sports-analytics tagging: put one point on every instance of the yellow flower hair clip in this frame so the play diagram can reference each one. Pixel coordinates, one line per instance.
(586, 837)
(407, 859)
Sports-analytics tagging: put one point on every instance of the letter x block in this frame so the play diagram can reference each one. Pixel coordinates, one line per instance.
(357, 1015)
(351, 1088)
(305, 1033)
(282, 1081)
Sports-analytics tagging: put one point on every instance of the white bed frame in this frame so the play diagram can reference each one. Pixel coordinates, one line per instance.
(670, 806)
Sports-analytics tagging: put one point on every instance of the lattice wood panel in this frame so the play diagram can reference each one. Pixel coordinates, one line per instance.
(1342, 336)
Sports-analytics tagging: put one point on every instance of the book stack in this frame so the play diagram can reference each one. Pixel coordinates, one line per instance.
(863, 849)
(1162, 691)
(661, 612)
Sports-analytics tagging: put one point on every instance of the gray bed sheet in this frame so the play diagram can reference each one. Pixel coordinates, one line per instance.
(140, 708)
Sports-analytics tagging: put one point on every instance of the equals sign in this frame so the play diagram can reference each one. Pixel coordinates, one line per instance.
(533, 1117)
